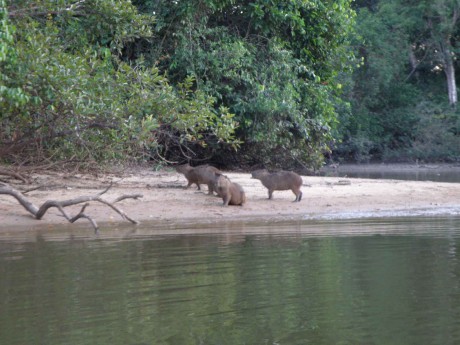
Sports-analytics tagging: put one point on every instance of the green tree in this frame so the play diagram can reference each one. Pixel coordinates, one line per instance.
(434, 38)
(81, 100)
(10, 95)
(274, 64)
(398, 95)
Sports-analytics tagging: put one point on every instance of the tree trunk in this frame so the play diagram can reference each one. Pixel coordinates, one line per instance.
(39, 212)
(413, 63)
(449, 70)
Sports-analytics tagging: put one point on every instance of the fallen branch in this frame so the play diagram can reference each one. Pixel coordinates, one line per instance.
(13, 174)
(39, 212)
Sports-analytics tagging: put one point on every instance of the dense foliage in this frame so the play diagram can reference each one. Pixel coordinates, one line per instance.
(67, 94)
(106, 80)
(272, 63)
(404, 96)
(252, 82)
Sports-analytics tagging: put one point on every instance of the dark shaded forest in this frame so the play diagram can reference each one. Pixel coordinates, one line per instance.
(236, 83)
(403, 98)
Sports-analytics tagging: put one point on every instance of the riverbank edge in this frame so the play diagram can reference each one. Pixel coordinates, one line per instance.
(167, 204)
(190, 226)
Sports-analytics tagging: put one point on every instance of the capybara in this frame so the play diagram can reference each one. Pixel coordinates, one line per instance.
(281, 180)
(231, 193)
(202, 174)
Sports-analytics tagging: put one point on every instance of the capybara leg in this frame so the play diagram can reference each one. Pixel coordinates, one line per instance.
(226, 201)
(298, 196)
(270, 194)
(210, 189)
(198, 185)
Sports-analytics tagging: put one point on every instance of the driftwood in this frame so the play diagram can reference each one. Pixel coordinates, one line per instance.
(13, 174)
(39, 212)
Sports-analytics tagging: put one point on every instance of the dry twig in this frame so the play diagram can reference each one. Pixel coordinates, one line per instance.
(10, 173)
(39, 212)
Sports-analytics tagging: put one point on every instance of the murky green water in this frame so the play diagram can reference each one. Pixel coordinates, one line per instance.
(349, 282)
(441, 173)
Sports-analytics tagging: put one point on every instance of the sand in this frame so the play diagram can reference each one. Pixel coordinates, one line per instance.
(166, 201)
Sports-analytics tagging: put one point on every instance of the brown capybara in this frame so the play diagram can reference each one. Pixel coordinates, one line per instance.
(231, 193)
(202, 174)
(281, 180)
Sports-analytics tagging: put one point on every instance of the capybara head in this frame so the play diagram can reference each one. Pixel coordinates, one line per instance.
(231, 193)
(183, 168)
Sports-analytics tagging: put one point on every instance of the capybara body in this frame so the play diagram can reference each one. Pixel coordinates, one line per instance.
(281, 180)
(202, 174)
(231, 193)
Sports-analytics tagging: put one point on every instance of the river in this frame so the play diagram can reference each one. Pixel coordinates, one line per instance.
(422, 172)
(370, 281)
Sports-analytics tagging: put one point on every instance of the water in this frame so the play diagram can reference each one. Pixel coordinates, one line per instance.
(379, 281)
(438, 173)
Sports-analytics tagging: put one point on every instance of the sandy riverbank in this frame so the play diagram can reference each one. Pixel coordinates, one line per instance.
(164, 199)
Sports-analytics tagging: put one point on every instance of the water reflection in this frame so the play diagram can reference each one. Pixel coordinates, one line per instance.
(379, 282)
(438, 173)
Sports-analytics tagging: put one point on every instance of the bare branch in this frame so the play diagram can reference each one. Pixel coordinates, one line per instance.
(38, 11)
(30, 207)
(81, 214)
(105, 190)
(39, 212)
(128, 196)
(13, 174)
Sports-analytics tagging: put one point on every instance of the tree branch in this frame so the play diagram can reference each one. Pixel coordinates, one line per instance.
(13, 174)
(39, 212)
(39, 11)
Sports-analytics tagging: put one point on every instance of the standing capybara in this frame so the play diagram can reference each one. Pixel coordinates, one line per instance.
(281, 180)
(231, 193)
(202, 174)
